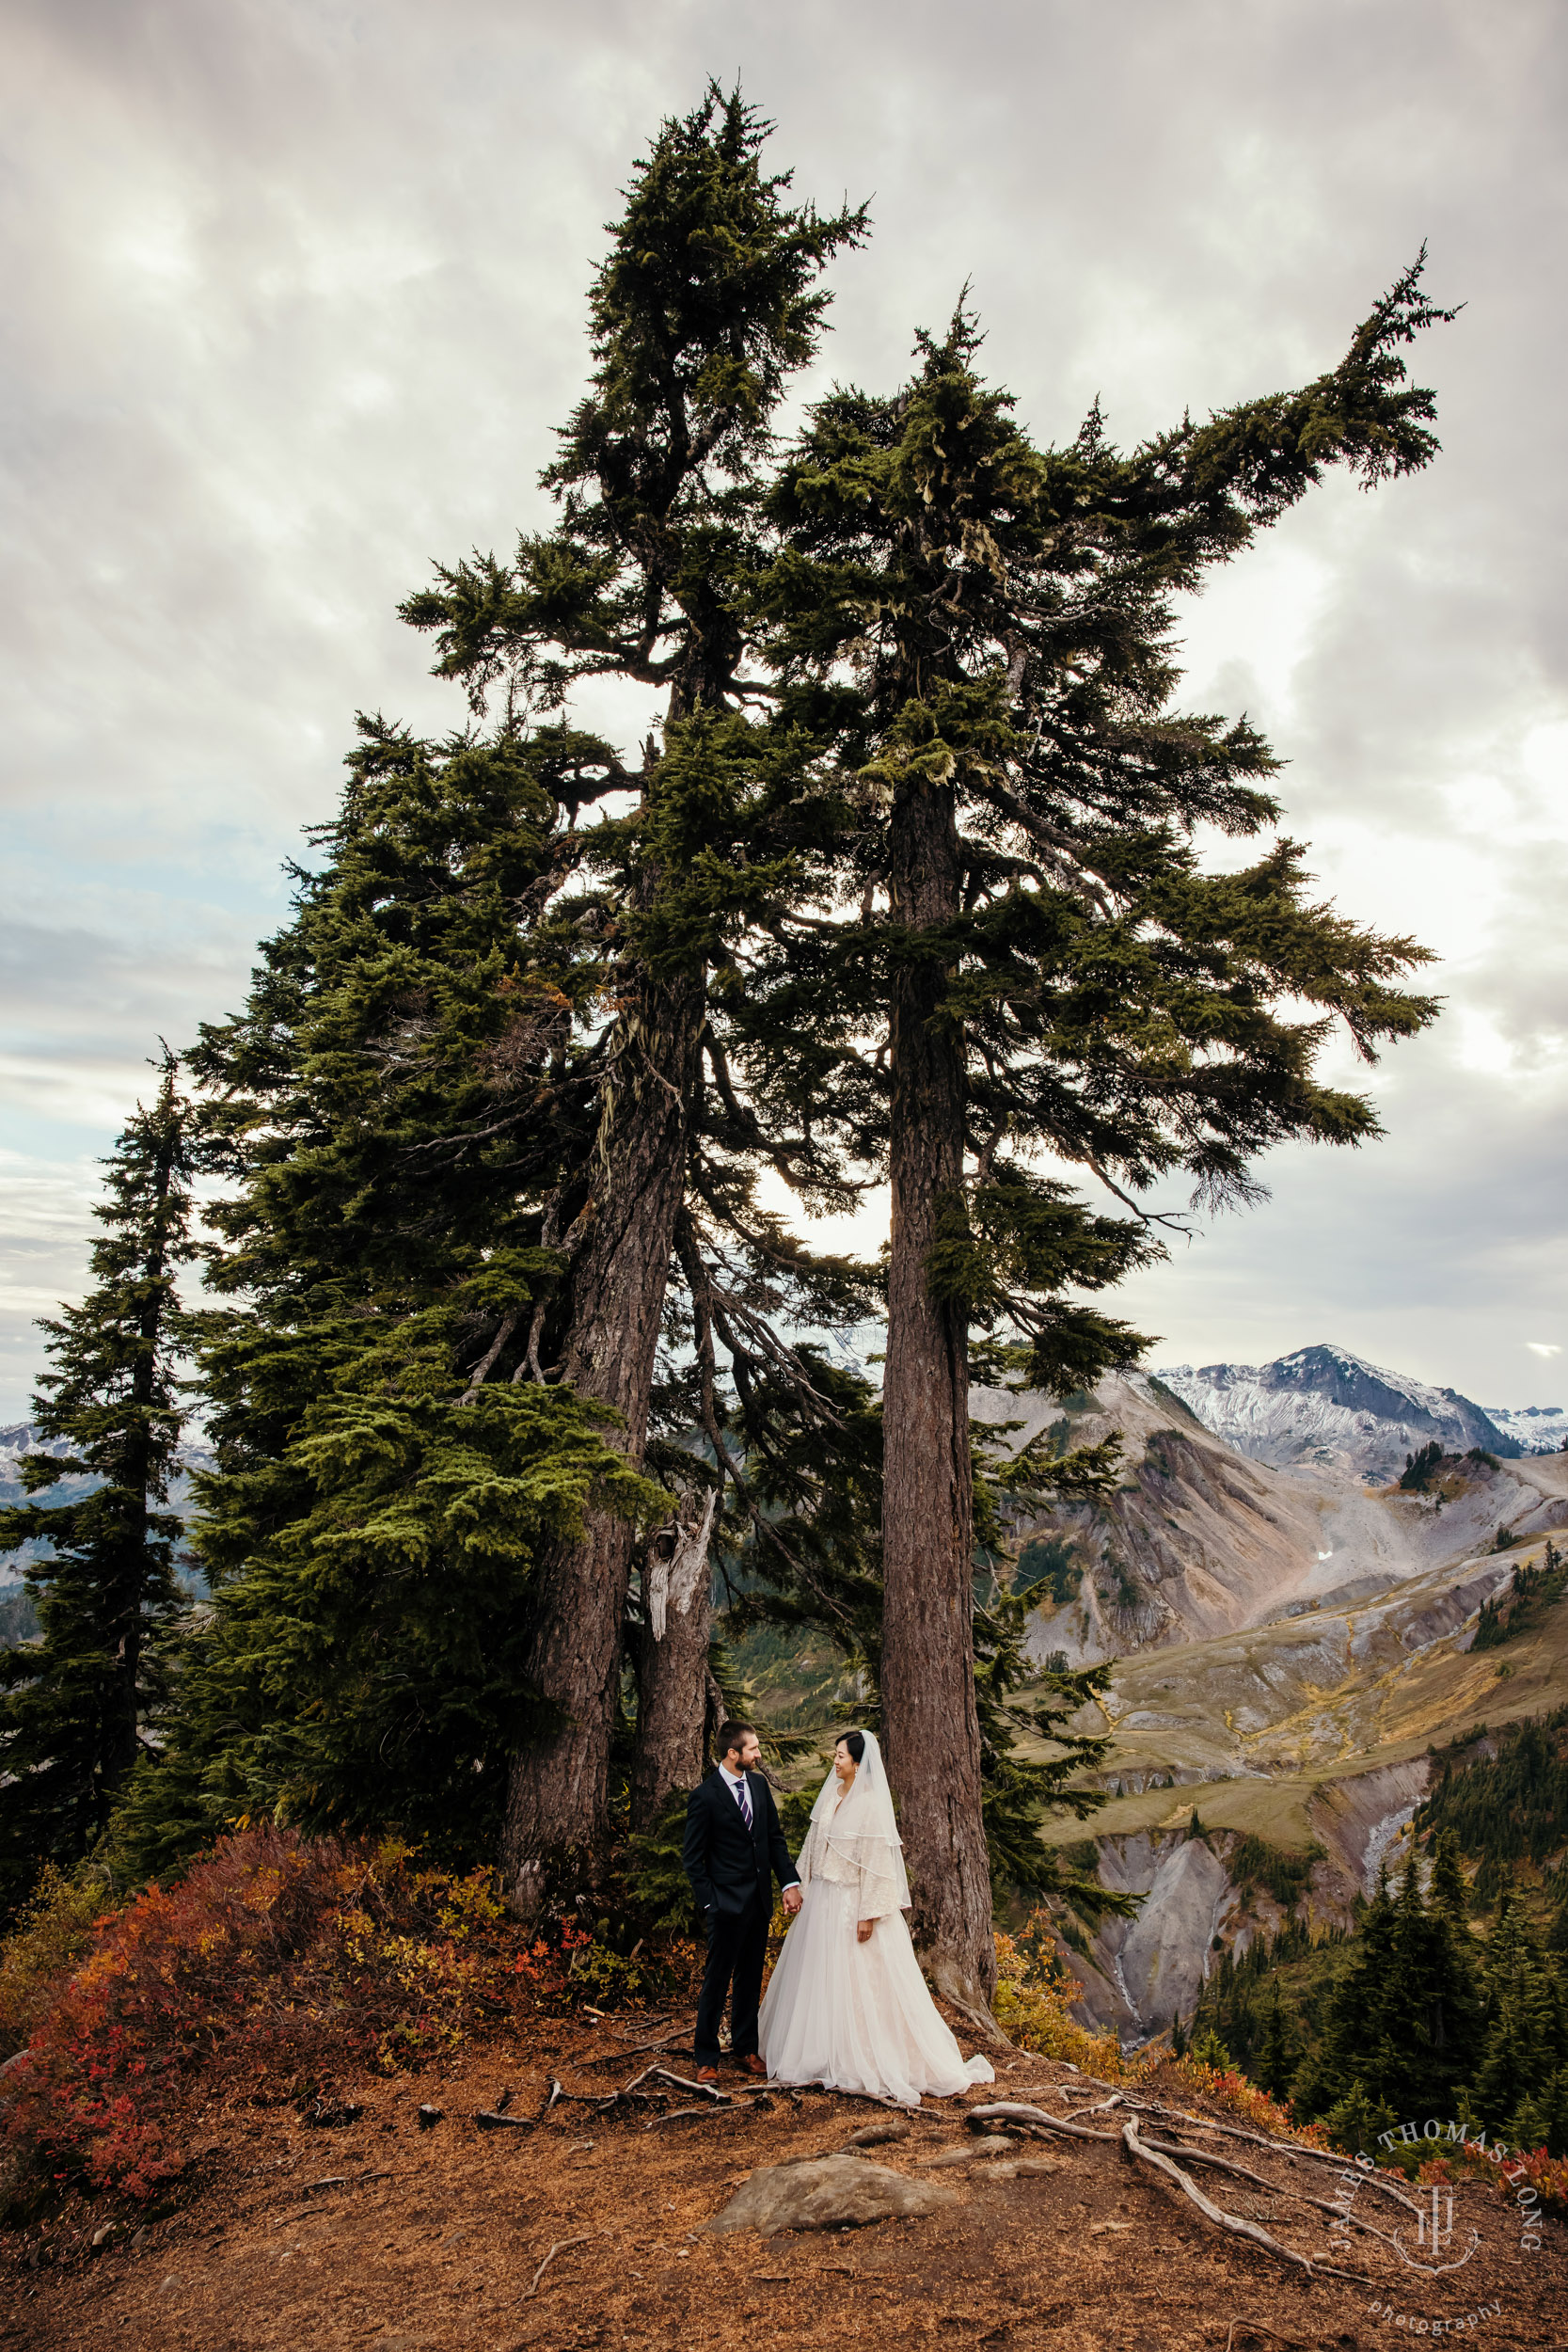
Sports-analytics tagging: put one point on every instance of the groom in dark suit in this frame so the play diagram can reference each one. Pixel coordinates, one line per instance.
(734, 1847)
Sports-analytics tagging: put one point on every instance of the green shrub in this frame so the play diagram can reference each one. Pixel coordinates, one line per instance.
(51, 1935)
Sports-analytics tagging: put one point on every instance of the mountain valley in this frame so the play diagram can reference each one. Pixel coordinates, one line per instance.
(1292, 1638)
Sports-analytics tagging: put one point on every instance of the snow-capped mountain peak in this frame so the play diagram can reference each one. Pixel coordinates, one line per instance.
(1539, 1428)
(1323, 1401)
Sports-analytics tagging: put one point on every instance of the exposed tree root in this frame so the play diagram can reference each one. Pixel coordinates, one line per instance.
(1259, 2328)
(1018, 2111)
(1216, 2214)
(1273, 2189)
(684, 2082)
(1282, 2147)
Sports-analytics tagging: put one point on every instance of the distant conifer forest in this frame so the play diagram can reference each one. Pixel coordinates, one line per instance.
(1449, 1996)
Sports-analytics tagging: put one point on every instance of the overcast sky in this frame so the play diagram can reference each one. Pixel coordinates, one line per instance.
(296, 296)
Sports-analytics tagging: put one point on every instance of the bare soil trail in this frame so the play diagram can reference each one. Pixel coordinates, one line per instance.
(586, 2230)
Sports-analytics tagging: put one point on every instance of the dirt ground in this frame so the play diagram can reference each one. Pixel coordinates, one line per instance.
(381, 2234)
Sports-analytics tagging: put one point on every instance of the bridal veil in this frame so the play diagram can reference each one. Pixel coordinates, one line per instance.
(854, 1841)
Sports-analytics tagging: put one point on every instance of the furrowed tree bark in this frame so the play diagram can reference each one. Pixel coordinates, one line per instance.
(932, 1727)
(558, 1798)
(672, 1661)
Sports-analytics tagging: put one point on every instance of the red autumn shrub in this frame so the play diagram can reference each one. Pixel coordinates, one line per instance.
(1547, 2175)
(269, 1967)
(1515, 2176)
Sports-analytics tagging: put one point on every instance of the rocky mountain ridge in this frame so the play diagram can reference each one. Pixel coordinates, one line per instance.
(1323, 1403)
(1304, 1743)
(1201, 1539)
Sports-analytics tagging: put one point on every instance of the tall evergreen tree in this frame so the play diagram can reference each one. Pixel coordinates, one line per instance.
(1277, 2060)
(77, 1701)
(1050, 970)
(708, 301)
(1450, 1896)
(395, 1105)
(1523, 2048)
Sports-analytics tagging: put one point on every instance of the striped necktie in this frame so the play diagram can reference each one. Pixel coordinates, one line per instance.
(745, 1795)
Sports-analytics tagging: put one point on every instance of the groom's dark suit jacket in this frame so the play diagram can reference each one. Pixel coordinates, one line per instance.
(730, 1869)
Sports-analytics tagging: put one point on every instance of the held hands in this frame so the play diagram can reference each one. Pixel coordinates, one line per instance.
(792, 1900)
(863, 1931)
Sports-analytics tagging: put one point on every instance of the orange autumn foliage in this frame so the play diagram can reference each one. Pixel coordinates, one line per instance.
(271, 1968)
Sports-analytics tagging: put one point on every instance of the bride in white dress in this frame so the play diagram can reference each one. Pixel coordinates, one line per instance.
(847, 2005)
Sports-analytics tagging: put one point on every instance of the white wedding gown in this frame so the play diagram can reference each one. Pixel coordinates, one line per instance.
(851, 2015)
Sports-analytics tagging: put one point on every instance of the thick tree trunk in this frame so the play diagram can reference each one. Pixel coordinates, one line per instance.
(933, 1736)
(672, 1664)
(557, 1800)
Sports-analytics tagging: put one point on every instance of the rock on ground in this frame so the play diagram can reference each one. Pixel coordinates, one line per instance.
(826, 2195)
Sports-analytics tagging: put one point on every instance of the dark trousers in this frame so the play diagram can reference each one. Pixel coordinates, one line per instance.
(736, 1948)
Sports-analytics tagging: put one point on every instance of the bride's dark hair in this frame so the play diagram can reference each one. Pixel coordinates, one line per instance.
(855, 1742)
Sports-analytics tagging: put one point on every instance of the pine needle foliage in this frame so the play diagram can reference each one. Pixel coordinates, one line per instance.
(986, 624)
(1521, 2083)
(78, 1702)
(708, 300)
(394, 1106)
(1502, 1793)
(1537, 1585)
(1402, 2023)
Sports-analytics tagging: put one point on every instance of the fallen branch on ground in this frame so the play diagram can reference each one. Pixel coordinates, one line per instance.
(333, 2179)
(558, 2248)
(1216, 2214)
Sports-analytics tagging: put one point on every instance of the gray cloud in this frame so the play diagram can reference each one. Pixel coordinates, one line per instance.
(297, 297)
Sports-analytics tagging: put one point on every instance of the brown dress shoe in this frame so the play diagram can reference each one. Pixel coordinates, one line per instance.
(752, 2064)
(707, 2074)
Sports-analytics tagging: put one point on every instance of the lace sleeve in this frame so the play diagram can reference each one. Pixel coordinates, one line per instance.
(873, 1866)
